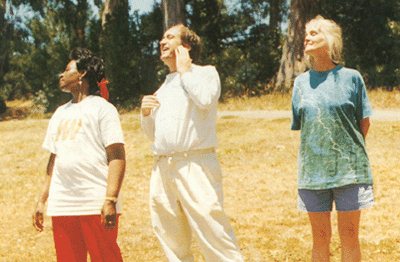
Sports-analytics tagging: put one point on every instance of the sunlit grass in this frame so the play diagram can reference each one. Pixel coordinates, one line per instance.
(380, 99)
(258, 158)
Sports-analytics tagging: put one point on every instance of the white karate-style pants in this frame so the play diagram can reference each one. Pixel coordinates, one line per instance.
(186, 196)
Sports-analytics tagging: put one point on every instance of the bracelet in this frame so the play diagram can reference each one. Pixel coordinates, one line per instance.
(112, 199)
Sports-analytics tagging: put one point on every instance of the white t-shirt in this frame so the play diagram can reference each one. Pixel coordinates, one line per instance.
(78, 134)
(186, 117)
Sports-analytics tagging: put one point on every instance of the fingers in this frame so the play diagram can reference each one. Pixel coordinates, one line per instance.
(102, 220)
(37, 221)
(150, 101)
(182, 51)
(110, 221)
(109, 215)
(183, 60)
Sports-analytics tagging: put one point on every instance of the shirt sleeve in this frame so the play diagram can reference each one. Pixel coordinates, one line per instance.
(147, 123)
(49, 139)
(202, 85)
(296, 115)
(110, 126)
(363, 107)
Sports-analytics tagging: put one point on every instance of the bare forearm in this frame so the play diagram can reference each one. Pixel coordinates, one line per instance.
(46, 187)
(116, 171)
(45, 191)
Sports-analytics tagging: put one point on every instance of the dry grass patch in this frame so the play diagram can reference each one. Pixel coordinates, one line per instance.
(272, 101)
(385, 99)
(380, 99)
(259, 163)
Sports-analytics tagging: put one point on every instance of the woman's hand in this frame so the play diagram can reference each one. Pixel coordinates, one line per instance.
(109, 214)
(37, 216)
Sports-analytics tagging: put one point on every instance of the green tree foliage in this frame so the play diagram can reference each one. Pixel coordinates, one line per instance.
(243, 43)
(6, 32)
(292, 61)
(128, 45)
(371, 42)
(243, 40)
(116, 47)
(40, 51)
(147, 31)
(173, 12)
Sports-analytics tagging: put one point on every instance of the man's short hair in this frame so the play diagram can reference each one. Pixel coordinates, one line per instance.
(190, 38)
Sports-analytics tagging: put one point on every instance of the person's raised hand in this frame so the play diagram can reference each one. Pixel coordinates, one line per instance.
(183, 60)
(149, 103)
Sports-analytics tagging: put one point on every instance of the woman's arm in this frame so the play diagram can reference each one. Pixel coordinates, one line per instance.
(116, 172)
(37, 217)
(364, 126)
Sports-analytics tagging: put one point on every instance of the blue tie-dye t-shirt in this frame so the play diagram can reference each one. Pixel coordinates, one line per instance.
(328, 107)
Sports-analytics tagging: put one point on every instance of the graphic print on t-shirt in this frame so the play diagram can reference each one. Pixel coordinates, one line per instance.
(328, 107)
(67, 129)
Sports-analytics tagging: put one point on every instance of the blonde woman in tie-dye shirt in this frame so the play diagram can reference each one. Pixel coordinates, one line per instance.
(331, 108)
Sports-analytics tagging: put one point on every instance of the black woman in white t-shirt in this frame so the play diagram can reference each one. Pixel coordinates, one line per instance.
(86, 166)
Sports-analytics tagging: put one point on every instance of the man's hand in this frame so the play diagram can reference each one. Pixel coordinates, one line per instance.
(183, 60)
(149, 103)
(109, 215)
(37, 216)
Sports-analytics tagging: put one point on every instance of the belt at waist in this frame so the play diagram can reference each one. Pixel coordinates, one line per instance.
(188, 153)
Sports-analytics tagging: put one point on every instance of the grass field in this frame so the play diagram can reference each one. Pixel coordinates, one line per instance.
(258, 158)
(379, 98)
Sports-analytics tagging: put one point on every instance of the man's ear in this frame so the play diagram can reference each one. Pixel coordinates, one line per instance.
(188, 47)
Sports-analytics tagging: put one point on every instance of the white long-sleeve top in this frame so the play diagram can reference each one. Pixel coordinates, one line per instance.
(186, 117)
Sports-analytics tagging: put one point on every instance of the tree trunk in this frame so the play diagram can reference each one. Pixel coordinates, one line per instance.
(3, 5)
(109, 6)
(80, 22)
(75, 16)
(173, 12)
(275, 20)
(5, 36)
(115, 47)
(292, 61)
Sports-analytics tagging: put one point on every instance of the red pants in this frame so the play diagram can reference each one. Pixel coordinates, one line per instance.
(75, 236)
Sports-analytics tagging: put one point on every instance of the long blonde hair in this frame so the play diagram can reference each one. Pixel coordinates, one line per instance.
(333, 35)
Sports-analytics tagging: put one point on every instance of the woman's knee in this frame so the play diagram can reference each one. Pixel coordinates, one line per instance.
(322, 236)
(348, 233)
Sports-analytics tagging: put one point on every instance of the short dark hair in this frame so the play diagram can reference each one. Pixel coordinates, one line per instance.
(190, 38)
(91, 64)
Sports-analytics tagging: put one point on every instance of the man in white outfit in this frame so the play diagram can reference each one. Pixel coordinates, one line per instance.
(186, 184)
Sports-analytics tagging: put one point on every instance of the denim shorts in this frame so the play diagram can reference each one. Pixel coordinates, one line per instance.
(347, 198)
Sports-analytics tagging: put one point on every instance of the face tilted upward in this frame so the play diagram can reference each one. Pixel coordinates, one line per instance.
(315, 42)
(168, 44)
(69, 79)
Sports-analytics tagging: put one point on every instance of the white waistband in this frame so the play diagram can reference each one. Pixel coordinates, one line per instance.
(188, 153)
